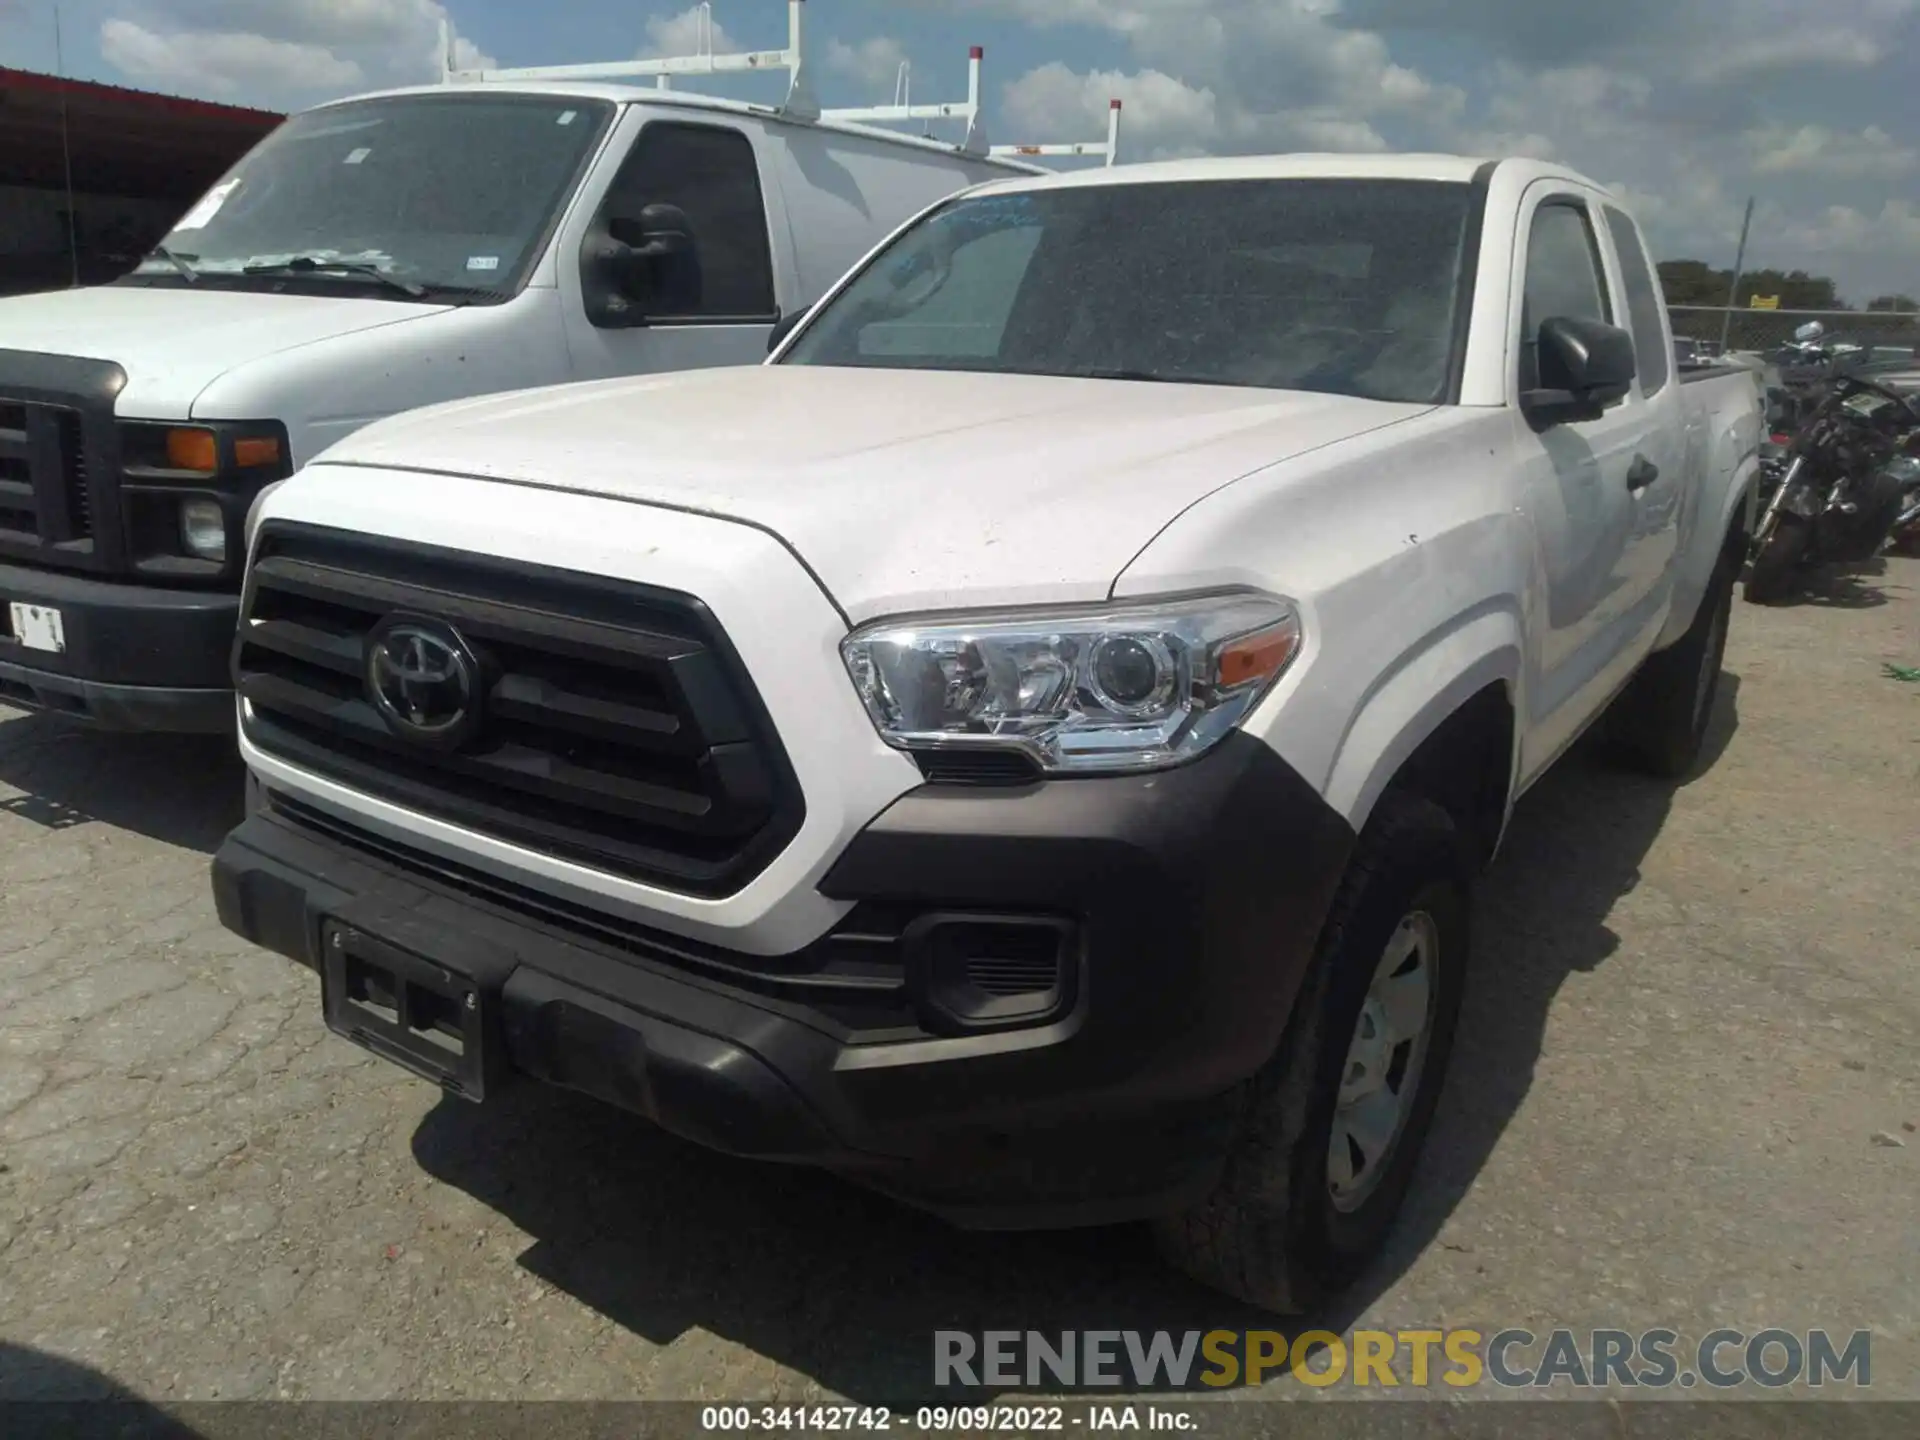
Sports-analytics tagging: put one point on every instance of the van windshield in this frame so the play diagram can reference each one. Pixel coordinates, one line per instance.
(449, 194)
(1345, 286)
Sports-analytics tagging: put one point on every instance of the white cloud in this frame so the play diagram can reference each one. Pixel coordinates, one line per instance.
(222, 65)
(280, 53)
(1232, 75)
(874, 62)
(691, 32)
(1816, 149)
(1165, 118)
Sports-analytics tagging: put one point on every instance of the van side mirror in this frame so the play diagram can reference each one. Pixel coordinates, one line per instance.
(1584, 366)
(646, 265)
(783, 327)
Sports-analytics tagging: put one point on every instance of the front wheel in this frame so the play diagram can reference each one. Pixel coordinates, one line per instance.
(1331, 1128)
(1771, 577)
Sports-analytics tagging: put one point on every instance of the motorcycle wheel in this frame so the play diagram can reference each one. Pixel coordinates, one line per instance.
(1771, 577)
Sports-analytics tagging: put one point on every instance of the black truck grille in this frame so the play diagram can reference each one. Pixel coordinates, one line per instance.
(43, 473)
(612, 723)
(57, 444)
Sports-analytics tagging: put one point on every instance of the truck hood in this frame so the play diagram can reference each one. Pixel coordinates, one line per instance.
(175, 342)
(902, 490)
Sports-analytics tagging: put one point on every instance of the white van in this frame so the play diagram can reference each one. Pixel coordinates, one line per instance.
(379, 254)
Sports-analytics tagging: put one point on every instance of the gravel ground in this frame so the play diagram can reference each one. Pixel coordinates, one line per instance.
(1692, 1012)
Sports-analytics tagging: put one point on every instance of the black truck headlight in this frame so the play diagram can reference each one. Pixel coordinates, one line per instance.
(186, 491)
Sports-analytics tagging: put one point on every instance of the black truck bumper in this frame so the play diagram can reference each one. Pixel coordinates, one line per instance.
(135, 658)
(1192, 901)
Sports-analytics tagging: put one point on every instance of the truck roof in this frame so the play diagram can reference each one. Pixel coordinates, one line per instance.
(1332, 166)
(635, 93)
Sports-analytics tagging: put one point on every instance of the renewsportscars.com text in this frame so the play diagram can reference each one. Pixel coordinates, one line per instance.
(1459, 1359)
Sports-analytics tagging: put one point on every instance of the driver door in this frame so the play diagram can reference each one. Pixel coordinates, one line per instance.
(712, 306)
(1581, 481)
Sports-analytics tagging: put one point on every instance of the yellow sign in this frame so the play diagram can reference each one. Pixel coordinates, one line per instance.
(1765, 302)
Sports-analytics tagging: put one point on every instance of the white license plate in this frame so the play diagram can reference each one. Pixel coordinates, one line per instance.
(38, 627)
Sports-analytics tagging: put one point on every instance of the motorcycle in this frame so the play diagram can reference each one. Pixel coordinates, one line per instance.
(1906, 528)
(1830, 496)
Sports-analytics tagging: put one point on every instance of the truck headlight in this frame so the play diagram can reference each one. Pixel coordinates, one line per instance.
(1128, 687)
(203, 529)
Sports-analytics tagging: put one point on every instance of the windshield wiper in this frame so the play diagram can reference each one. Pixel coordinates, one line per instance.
(307, 265)
(177, 260)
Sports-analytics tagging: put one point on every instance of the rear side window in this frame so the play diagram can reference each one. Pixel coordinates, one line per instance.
(1564, 279)
(1644, 305)
(708, 171)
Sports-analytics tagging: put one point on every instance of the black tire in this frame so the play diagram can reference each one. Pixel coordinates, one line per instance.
(1271, 1233)
(1659, 724)
(1771, 578)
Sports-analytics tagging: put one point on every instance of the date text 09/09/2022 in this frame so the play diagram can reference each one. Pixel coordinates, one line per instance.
(941, 1419)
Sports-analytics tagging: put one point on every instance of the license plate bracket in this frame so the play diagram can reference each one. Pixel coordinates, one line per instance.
(416, 1013)
(37, 627)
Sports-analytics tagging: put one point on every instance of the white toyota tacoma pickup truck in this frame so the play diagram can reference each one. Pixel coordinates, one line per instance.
(1028, 745)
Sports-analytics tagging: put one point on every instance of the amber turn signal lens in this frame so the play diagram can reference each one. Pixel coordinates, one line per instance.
(1256, 657)
(192, 450)
(251, 454)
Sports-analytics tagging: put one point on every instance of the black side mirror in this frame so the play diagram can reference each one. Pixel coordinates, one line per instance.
(640, 266)
(782, 328)
(659, 233)
(1584, 366)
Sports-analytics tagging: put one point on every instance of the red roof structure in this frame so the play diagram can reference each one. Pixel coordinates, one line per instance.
(122, 142)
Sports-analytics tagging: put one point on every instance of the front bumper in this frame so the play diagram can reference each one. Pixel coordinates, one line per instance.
(1194, 899)
(136, 657)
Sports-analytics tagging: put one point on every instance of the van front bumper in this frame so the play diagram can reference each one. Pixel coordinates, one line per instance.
(136, 657)
(1193, 900)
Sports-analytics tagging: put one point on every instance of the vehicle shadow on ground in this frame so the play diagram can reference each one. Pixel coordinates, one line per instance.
(182, 789)
(45, 1395)
(847, 1288)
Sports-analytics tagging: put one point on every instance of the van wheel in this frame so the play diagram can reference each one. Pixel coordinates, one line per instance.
(1330, 1130)
(1660, 723)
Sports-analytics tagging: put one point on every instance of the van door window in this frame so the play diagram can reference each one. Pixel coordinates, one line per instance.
(1564, 279)
(708, 174)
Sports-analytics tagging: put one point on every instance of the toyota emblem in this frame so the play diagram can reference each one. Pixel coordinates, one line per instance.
(424, 681)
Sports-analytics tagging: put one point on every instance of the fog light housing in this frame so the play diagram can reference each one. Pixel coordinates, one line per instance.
(203, 529)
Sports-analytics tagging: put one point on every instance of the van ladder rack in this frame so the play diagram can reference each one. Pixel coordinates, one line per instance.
(800, 103)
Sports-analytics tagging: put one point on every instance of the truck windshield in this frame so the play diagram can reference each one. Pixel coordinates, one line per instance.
(1345, 286)
(448, 194)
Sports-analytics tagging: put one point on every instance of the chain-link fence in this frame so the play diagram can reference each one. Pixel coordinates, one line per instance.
(1765, 331)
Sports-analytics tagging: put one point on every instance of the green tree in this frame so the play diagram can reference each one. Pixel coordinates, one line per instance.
(1693, 282)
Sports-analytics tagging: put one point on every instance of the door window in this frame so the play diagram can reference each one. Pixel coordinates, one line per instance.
(1644, 305)
(709, 173)
(1565, 279)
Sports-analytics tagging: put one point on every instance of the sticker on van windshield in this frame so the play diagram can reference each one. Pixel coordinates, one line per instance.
(208, 206)
(566, 116)
(483, 262)
(354, 157)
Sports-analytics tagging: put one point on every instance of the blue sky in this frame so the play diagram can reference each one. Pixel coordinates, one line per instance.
(1685, 106)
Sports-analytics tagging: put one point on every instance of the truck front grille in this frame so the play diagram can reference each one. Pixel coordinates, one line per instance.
(57, 443)
(604, 722)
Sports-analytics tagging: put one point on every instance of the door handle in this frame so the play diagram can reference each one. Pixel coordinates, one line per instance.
(1642, 473)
